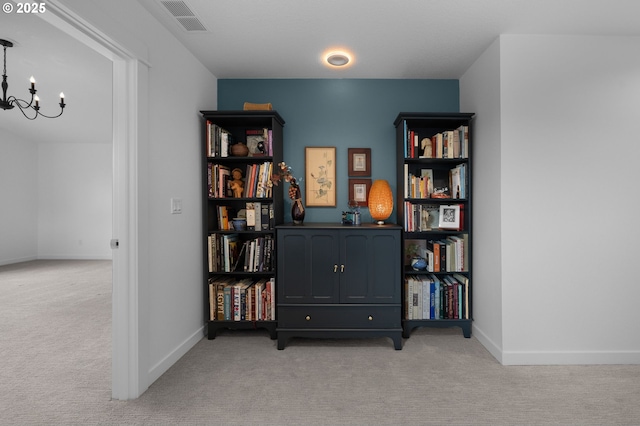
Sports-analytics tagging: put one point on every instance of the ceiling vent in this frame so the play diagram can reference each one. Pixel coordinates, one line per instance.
(183, 14)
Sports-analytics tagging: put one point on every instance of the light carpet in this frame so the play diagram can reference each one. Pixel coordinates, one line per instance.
(55, 333)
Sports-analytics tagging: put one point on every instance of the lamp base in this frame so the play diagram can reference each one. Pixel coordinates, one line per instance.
(380, 222)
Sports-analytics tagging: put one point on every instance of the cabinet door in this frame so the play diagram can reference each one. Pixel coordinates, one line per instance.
(308, 266)
(371, 260)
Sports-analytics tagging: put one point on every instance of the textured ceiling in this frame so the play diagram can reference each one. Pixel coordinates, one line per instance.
(389, 38)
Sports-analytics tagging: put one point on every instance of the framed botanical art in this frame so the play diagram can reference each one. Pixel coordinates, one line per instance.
(359, 191)
(449, 217)
(359, 161)
(320, 176)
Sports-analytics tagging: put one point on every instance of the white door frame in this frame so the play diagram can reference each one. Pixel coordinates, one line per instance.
(129, 378)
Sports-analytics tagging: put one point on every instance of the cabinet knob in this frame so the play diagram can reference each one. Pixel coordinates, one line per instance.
(335, 268)
(370, 318)
(308, 318)
(341, 268)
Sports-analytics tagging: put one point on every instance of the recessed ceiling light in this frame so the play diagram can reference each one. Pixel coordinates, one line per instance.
(337, 58)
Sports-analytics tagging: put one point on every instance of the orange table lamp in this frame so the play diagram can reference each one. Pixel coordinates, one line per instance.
(380, 201)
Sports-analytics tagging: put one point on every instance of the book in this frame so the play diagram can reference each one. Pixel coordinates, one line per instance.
(230, 250)
(454, 182)
(464, 281)
(212, 301)
(426, 298)
(216, 297)
(250, 214)
(228, 302)
(434, 247)
(214, 252)
(427, 174)
(257, 212)
(258, 289)
(267, 217)
(437, 297)
(271, 291)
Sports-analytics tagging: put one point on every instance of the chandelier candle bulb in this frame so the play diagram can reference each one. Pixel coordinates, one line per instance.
(33, 83)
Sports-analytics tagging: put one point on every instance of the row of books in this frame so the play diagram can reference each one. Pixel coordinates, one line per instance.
(449, 254)
(447, 144)
(245, 299)
(432, 297)
(420, 217)
(259, 216)
(219, 140)
(227, 253)
(445, 184)
(256, 178)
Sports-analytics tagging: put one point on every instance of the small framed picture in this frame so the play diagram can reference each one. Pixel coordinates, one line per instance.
(359, 191)
(449, 217)
(320, 176)
(359, 161)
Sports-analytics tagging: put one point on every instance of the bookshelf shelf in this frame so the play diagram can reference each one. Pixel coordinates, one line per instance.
(239, 270)
(434, 194)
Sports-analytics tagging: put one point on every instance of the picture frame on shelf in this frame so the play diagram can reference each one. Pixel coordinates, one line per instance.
(449, 217)
(359, 191)
(320, 176)
(256, 141)
(359, 161)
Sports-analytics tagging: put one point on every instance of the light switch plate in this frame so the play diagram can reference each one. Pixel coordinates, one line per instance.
(176, 205)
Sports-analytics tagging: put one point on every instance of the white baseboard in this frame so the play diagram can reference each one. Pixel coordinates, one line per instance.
(161, 367)
(570, 357)
(489, 344)
(17, 260)
(555, 357)
(74, 257)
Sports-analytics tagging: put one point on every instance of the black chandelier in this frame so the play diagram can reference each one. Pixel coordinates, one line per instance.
(24, 106)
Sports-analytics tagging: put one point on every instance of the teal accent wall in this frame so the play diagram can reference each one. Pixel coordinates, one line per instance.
(345, 113)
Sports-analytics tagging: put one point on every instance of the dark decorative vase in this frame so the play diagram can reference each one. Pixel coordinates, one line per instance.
(297, 208)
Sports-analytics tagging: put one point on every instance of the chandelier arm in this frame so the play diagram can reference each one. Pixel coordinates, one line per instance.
(21, 108)
(12, 100)
(50, 116)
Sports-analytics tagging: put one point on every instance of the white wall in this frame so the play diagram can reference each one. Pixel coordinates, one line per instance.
(568, 117)
(170, 256)
(74, 200)
(480, 93)
(19, 199)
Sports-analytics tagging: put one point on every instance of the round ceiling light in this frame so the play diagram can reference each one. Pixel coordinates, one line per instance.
(338, 59)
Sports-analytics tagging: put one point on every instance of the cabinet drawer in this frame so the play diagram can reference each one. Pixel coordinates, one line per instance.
(342, 316)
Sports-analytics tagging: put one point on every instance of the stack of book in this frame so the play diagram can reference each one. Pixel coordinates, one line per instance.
(448, 144)
(247, 299)
(429, 297)
(226, 253)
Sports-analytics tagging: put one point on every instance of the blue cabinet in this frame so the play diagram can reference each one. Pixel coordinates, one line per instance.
(337, 281)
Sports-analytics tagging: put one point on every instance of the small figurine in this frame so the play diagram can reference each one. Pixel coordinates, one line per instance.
(237, 184)
(427, 147)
